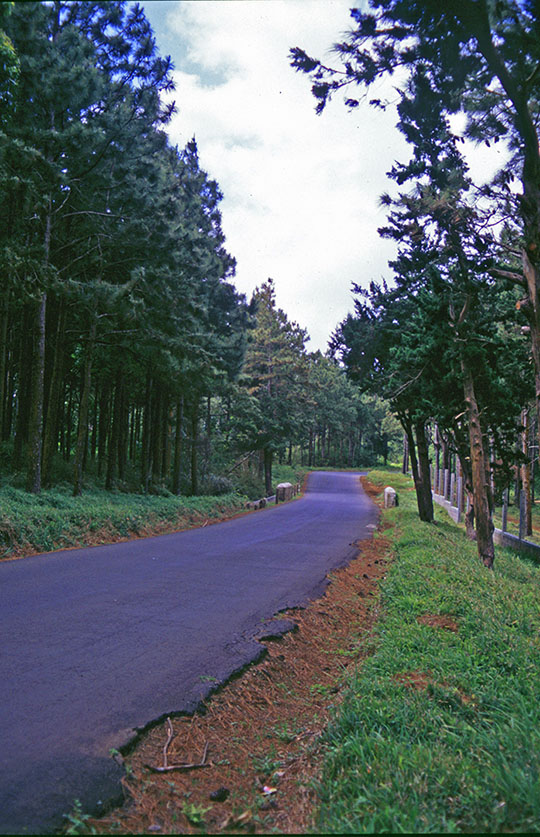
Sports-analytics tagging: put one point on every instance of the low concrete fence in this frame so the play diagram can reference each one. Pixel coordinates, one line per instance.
(500, 536)
(284, 491)
(256, 504)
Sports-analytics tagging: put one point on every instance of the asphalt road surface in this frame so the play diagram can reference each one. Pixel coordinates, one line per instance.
(99, 642)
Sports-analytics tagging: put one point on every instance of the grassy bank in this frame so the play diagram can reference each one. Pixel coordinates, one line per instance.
(55, 519)
(440, 728)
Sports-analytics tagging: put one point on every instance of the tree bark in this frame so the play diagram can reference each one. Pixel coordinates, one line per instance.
(104, 425)
(463, 450)
(157, 434)
(425, 512)
(82, 433)
(114, 438)
(25, 352)
(4, 321)
(146, 458)
(123, 432)
(208, 437)
(194, 446)
(35, 429)
(437, 445)
(50, 433)
(405, 460)
(484, 523)
(177, 465)
(268, 455)
(526, 470)
(424, 469)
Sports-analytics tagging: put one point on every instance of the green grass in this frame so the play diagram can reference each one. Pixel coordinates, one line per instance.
(461, 754)
(55, 519)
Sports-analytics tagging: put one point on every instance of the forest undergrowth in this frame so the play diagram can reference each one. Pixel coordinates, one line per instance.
(55, 519)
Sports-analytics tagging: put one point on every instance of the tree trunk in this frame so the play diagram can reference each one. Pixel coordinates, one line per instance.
(104, 425)
(157, 434)
(405, 459)
(8, 406)
(425, 511)
(484, 523)
(4, 322)
(194, 446)
(526, 470)
(437, 445)
(532, 277)
(166, 444)
(93, 437)
(25, 351)
(123, 432)
(50, 434)
(177, 466)
(267, 453)
(35, 430)
(146, 458)
(208, 437)
(82, 433)
(114, 437)
(461, 442)
(424, 470)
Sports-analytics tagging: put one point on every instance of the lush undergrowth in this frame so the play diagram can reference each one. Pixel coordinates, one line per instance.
(55, 519)
(440, 729)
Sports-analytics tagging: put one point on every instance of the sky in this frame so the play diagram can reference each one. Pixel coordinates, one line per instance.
(301, 191)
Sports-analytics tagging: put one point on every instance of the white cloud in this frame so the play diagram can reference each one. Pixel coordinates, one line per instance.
(301, 191)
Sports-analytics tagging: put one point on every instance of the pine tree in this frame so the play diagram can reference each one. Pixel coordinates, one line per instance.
(275, 372)
(478, 55)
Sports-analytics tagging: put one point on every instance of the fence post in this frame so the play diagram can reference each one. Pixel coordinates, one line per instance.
(522, 514)
(446, 483)
(459, 497)
(505, 510)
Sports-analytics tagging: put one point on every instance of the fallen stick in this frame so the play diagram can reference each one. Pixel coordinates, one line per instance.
(169, 739)
(168, 768)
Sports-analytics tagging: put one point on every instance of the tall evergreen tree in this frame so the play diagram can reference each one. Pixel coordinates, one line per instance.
(477, 54)
(275, 371)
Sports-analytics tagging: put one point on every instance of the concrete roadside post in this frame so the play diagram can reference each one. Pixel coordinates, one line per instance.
(284, 492)
(390, 497)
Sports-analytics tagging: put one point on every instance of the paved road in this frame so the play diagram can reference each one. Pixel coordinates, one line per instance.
(99, 642)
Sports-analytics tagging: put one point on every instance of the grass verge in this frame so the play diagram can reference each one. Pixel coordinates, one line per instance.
(439, 730)
(55, 519)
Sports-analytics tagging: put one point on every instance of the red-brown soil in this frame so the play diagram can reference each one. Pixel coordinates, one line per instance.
(434, 620)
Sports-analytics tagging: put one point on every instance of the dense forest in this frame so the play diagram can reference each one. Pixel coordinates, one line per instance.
(128, 359)
(454, 342)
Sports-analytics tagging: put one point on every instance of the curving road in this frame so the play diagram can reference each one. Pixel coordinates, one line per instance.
(99, 642)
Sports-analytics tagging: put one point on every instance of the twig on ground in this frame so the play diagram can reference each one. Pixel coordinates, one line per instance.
(167, 768)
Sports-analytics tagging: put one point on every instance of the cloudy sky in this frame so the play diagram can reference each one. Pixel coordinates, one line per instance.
(300, 191)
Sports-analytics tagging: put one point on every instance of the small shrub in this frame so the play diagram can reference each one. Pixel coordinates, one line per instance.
(217, 485)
